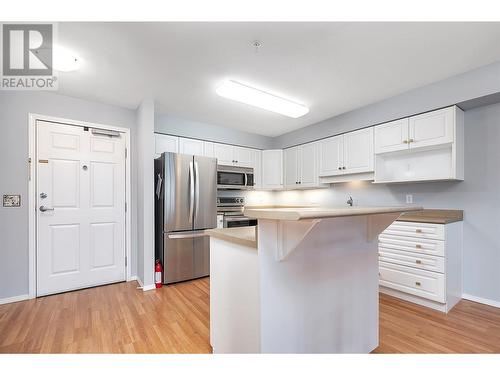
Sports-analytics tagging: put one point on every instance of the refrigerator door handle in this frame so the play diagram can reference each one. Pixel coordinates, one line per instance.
(197, 189)
(158, 187)
(189, 234)
(191, 192)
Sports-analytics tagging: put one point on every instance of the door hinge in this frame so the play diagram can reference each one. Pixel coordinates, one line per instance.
(125, 206)
(125, 261)
(126, 152)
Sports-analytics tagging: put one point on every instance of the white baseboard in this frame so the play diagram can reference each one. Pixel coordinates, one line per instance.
(132, 278)
(14, 299)
(484, 301)
(145, 288)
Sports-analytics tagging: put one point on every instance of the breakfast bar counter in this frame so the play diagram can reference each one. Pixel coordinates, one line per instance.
(311, 286)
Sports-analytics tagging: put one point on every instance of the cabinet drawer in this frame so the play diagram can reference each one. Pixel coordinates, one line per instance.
(416, 260)
(415, 245)
(425, 284)
(419, 230)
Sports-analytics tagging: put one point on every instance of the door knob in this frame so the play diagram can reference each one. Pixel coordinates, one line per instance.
(43, 209)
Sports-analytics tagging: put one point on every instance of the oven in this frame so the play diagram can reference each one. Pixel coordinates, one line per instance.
(235, 178)
(230, 213)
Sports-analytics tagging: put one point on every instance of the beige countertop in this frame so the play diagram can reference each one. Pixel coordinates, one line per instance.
(301, 213)
(433, 216)
(245, 236)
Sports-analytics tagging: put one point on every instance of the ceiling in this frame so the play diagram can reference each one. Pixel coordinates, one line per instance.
(330, 67)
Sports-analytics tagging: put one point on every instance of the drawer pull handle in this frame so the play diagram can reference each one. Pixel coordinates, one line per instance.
(418, 230)
(417, 283)
(418, 246)
(418, 261)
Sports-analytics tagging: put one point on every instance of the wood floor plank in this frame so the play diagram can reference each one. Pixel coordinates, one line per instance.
(120, 318)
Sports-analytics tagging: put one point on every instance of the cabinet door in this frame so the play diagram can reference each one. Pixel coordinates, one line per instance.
(432, 128)
(191, 146)
(358, 151)
(257, 169)
(224, 154)
(166, 143)
(291, 167)
(331, 156)
(308, 165)
(208, 149)
(243, 156)
(272, 169)
(392, 136)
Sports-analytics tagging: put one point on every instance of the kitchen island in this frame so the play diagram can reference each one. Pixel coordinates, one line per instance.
(309, 284)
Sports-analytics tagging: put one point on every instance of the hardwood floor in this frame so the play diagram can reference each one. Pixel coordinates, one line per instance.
(120, 318)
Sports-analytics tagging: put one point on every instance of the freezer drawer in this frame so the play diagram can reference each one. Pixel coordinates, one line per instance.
(186, 256)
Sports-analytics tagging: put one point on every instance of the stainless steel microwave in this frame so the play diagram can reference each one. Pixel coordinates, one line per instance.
(236, 178)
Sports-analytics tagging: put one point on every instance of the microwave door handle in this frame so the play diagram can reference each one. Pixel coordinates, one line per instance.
(197, 189)
(246, 179)
(191, 192)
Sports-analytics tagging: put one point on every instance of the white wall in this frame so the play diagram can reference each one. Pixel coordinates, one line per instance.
(14, 109)
(145, 189)
(478, 196)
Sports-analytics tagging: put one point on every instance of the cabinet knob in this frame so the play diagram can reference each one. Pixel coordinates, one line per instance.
(418, 261)
(340, 168)
(418, 230)
(418, 246)
(405, 141)
(417, 283)
(343, 167)
(411, 140)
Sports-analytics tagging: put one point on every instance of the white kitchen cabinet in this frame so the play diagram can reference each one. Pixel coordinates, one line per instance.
(358, 151)
(347, 154)
(233, 155)
(301, 166)
(291, 167)
(257, 169)
(191, 146)
(432, 128)
(331, 156)
(433, 150)
(208, 149)
(422, 263)
(166, 143)
(272, 169)
(243, 156)
(392, 136)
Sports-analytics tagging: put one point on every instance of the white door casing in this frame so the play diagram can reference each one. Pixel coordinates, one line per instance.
(80, 243)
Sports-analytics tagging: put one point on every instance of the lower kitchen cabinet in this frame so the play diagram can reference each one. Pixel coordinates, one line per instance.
(422, 263)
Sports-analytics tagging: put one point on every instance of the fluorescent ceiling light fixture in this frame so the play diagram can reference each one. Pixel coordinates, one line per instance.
(261, 99)
(65, 60)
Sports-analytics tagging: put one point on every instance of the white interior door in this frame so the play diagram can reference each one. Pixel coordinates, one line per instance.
(81, 227)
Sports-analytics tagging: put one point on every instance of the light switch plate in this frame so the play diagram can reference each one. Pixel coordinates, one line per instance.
(409, 198)
(12, 200)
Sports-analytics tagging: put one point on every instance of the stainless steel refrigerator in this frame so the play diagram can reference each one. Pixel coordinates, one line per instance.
(185, 205)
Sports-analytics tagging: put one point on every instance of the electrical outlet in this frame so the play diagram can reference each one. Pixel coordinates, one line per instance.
(409, 198)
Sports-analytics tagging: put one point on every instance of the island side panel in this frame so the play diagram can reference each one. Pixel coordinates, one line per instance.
(323, 297)
(234, 298)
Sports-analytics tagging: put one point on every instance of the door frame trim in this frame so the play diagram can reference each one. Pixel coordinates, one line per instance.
(32, 118)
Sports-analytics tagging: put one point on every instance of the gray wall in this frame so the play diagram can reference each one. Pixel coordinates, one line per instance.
(172, 125)
(460, 89)
(478, 196)
(14, 109)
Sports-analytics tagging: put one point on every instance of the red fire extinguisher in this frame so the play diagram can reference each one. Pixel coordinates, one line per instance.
(158, 274)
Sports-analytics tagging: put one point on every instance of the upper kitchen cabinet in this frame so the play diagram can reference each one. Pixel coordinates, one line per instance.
(191, 147)
(166, 143)
(301, 166)
(392, 136)
(433, 149)
(272, 169)
(432, 128)
(257, 169)
(234, 155)
(347, 157)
